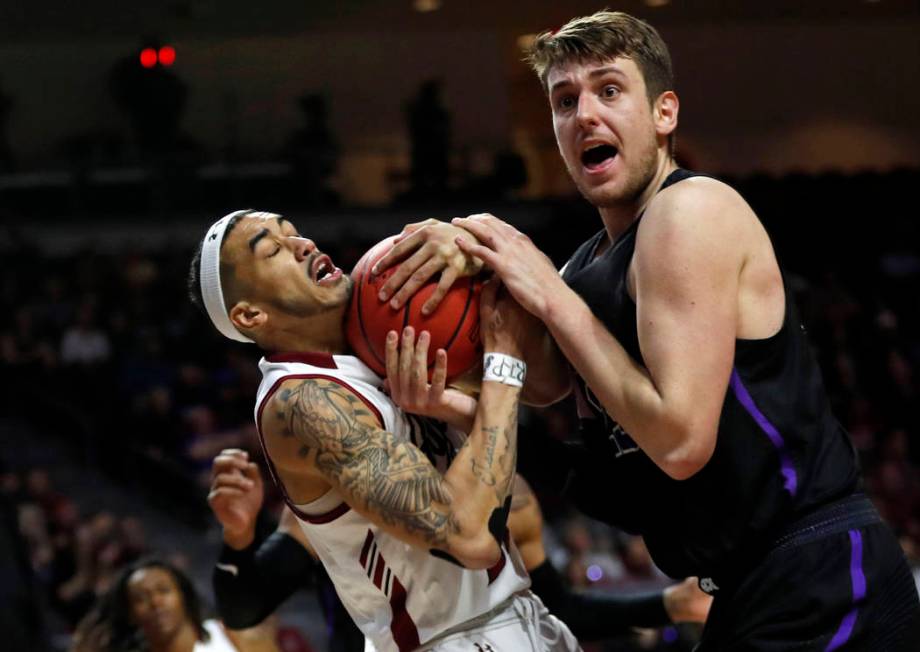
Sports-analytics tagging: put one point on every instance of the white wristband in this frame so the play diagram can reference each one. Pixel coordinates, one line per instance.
(502, 368)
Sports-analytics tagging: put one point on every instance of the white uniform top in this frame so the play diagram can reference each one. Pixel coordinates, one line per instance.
(219, 641)
(399, 596)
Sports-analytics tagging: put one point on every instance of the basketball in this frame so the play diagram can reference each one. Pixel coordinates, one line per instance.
(454, 324)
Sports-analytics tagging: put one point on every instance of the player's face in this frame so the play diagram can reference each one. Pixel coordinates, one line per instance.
(605, 128)
(156, 603)
(284, 269)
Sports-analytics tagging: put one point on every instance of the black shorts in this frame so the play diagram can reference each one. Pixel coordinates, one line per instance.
(836, 582)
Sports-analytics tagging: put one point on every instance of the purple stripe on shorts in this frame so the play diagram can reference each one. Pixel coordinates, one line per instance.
(858, 580)
(744, 397)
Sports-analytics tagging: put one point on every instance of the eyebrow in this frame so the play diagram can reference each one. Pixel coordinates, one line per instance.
(254, 240)
(597, 72)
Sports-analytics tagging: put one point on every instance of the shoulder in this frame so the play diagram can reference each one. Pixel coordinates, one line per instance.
(698, 214)
(698, 202)
(316, 410)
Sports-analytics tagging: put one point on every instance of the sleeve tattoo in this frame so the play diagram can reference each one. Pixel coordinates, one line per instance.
(387, 476)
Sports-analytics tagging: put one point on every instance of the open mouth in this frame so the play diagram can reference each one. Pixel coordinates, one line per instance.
(597, 157)
(322, 271)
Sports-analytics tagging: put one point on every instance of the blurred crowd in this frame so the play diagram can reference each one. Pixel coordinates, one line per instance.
(106, 351)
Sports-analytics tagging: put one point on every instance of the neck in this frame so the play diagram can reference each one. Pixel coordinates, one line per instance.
(619, 217)
(321, 333)
(181, 641)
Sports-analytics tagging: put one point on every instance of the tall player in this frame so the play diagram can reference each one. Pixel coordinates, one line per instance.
(416, 546)
(705, 424)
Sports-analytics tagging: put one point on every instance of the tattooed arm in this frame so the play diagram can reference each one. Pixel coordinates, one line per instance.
(389, 480)
(316, 428)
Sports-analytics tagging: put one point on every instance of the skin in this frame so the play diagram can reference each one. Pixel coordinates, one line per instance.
(158, 610)
(703, 273)
(321, 436)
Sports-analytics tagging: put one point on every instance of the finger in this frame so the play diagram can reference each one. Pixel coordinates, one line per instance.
(421, 276)
(224, 493)
(439, 375)
(392, 363)
(491, 258)
(409, 229)
(398, 251)
(225, 464)
(234, 481)
(412, 273)
(406, 356)
(252, 472)
(419, 381)
(448, 277)
(500, 225)
(484, 231)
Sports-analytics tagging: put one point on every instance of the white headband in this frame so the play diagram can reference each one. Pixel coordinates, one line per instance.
(209, 276)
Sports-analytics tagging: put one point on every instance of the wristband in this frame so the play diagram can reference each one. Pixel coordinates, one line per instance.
(502, 368)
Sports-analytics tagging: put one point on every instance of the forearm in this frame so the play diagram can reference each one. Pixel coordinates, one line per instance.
(623, 386)
(548, 377)
(249, 584)
(592, 616)
(481, 476)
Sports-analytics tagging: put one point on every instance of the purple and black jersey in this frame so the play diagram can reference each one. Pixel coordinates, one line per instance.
(780, 453)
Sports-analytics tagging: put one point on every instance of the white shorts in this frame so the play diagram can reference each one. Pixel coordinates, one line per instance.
(519, 624)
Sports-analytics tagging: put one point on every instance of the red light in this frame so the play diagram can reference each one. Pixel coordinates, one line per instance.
(148, 57)
(167, 55)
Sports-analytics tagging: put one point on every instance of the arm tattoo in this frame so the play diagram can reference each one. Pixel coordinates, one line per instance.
(389, 477)
(500, 476)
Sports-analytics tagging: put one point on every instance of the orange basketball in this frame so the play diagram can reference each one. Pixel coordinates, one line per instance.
(454, 325)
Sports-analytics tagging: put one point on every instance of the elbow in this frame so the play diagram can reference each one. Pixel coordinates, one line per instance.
(690, 456)
(543, 396)
(478, 553)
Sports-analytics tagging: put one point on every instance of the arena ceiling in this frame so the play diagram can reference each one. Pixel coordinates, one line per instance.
(65, 19)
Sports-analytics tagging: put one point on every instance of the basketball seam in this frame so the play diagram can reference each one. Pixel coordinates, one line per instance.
(360, 311)
(462, 320)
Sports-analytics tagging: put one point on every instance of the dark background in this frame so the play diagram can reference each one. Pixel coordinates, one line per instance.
(353, 118)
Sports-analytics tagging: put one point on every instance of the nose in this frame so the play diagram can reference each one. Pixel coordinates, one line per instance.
(587, 111)
(303, 247)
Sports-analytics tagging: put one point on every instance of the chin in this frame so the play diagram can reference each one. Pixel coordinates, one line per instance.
(607, 194)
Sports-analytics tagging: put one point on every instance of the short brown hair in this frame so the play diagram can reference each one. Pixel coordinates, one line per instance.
(602, 36)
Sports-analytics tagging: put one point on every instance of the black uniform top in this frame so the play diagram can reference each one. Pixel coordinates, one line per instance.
(779, 452)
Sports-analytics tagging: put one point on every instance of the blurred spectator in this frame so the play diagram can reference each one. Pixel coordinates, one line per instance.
(313, 152)
(84, 343)
(7, 164)
(153, 606)
(21, 621)
(429, 140)
(153, 98)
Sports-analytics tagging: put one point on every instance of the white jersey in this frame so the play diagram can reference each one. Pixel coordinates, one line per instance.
(400, 596)
(218, 640)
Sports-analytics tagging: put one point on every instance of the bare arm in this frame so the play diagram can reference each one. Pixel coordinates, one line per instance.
(687, 264)
(548, 377)
(389, 480)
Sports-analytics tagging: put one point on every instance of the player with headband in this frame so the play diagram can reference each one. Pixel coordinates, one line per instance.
(415, 542)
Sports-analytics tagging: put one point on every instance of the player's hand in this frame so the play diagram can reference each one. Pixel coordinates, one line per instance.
(407, 381)
(686, 603)
(527, 272)
(425, 249)
(505, 326)
(236, 496)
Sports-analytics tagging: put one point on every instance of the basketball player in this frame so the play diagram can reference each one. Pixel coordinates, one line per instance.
(265, 574)
(415, 545)
(705, 424)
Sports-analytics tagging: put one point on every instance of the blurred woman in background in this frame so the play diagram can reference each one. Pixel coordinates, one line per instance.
(153, 607)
